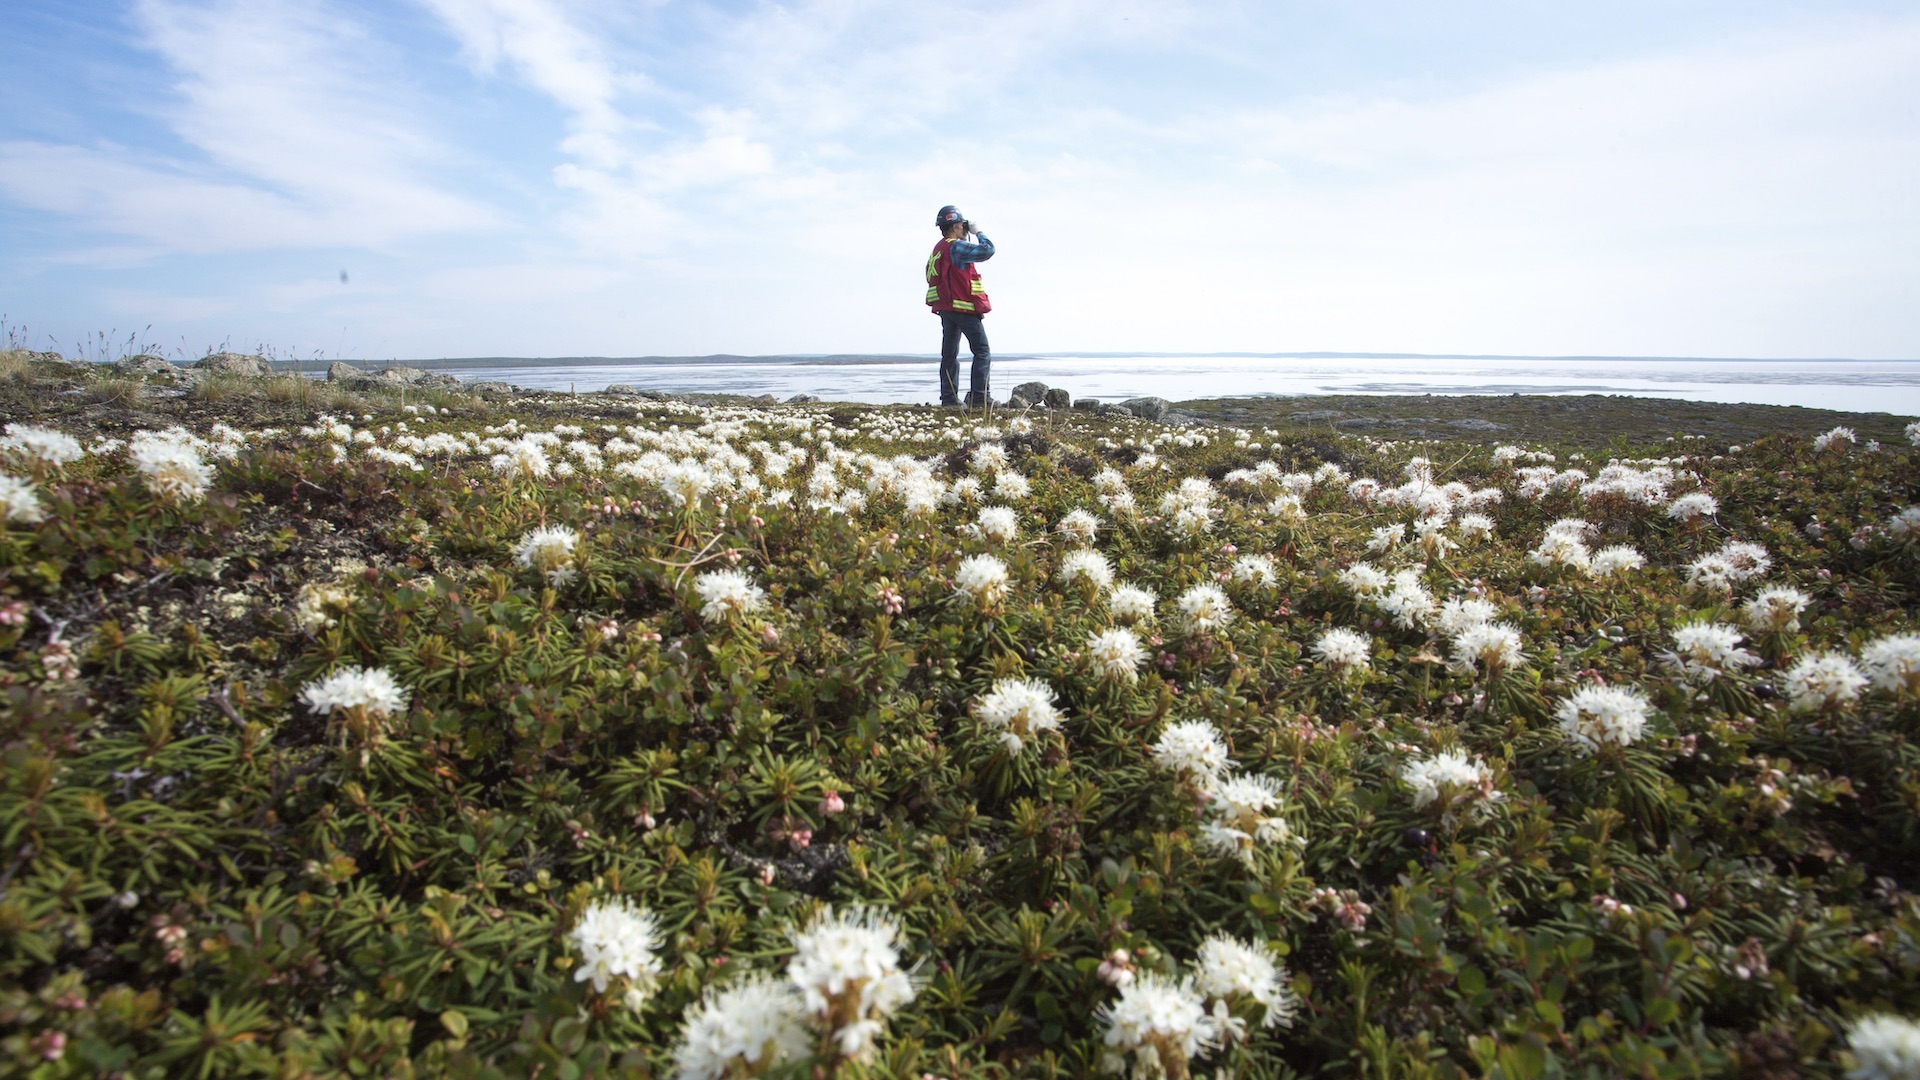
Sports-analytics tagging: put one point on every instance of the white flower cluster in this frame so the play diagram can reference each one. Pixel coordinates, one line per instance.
(1693, 506)
(170, 461)
(49, 447)
(1131, 604)
(1735, 562)
(1596, 716)
(1079, 527)
(19, 503)
(1345, 653)
(1205, 609)
(1884, 1047)
(1116, 654)
(1826, 680)
(1841, 437)
(981, 579)
(1893, 663)
(1564, 545)
(371, 690)
(728, 594)
(1188, 508)
(1193, 750)
(549, 550)
(1162, 1023)
(1702, 652)
(846, 966)
(1254, 569)
(1775, 609)
(1243, 814)
(618, 941)
(998, 524)
(742, 1030)
(1088, 565)
(1492, 646)
(1020, 710)
(1451, 770)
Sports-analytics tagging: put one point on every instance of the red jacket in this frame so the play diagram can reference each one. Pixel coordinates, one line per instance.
(954, 288)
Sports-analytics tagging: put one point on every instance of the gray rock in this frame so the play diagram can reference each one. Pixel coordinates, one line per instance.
(147, 366)
(413, 376)
(1058, 399)
(491, 388)
(1146, 408)
(1111, 410)
(1088, 404)
(621, 389)
(1033, 391)
(802, 399)
(1019, 401)
(1315, 416)
(343, 372)
(226, 363)
(765, 399)
(1474, 423)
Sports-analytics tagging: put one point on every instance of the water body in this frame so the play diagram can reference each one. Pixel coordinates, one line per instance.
(1850, 385)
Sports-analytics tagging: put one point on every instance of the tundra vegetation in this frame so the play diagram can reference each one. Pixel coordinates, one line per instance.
(379, 737)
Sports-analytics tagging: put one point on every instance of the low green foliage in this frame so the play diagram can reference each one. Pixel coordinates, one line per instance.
(201, 875)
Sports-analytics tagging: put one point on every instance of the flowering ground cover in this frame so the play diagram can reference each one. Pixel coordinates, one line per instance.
(698, 741)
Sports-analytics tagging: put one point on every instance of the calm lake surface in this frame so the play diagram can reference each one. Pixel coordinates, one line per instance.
(1852, 385)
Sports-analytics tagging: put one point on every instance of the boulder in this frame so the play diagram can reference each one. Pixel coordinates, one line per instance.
(1057, 398)
(765, 399)
(491, 388)
(346, 373)
(1146, 408)
(802, 399)
(1019, 401)
(621, 389)
(147, 365)
(226, 363)
(1087, 404)
(413, 376)
(1034, 392)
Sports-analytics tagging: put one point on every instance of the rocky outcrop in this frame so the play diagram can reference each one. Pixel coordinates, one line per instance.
(1056, 398)
(416, 377)
(226, 363)
(621, 389)
(345, 373)
(1147, 408)
(147, 366)
(802, 399)
(1027, 395)
(491, 388)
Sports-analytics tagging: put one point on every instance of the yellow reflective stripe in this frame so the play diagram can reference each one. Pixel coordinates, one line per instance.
(963, 305)
(932, 295)
(979, 287)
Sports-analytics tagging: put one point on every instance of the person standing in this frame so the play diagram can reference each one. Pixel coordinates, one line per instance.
(955, 294)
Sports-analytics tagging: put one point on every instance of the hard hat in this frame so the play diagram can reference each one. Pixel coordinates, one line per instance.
(948, 215)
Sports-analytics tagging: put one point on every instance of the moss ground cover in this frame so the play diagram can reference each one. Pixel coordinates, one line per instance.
(713, 741)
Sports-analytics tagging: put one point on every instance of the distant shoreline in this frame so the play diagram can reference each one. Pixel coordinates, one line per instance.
(876, 359)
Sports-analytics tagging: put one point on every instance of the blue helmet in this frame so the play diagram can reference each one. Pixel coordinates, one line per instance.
(948, 215)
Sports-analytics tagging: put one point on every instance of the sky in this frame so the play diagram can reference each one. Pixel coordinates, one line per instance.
(369, 179)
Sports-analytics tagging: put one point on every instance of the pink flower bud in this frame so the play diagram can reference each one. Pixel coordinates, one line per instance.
(832, 804)
(769, 636)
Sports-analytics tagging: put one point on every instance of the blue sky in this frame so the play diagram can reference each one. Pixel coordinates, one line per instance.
(544, 177)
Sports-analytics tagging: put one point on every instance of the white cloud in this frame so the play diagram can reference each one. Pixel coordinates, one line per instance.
(298, 136)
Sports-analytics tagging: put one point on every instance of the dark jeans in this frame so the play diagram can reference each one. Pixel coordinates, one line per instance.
(952, 325)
